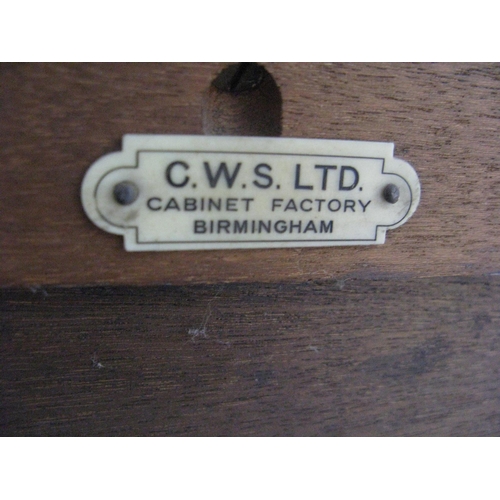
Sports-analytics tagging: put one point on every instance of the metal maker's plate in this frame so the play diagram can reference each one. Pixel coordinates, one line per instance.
(199, 192)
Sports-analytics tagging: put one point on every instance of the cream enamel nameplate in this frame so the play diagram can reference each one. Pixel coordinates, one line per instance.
(166, 192)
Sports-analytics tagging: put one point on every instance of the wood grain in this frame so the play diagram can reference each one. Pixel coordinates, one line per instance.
(410, 357)
(56, 119)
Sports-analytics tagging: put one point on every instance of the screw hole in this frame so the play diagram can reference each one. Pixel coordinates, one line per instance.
(243, 99)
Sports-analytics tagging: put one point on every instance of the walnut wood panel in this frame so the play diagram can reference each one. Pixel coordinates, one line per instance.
(56, 119)
(413, 357)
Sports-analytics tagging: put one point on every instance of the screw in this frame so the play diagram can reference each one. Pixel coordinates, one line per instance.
(391, 193)
(125, 193)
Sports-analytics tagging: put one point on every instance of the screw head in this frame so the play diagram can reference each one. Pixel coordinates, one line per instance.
(391, 193)
(125, 193)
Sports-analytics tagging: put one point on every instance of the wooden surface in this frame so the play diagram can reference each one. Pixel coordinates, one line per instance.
(417, 357)
(398, 339)
(55, 120)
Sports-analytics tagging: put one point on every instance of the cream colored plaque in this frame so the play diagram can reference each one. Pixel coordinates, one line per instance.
(165, 192)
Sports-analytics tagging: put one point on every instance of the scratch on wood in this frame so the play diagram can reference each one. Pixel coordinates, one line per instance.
(201, 331)
(313, 348)
(198, 332)
(95, 362)
(36, 289)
